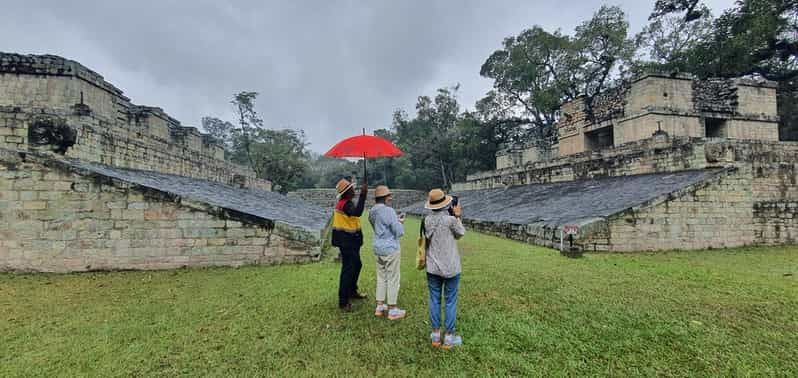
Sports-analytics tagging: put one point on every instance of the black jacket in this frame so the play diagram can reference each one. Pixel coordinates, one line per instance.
(344, 239)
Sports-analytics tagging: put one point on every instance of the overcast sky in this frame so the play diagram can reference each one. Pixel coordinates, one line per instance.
(327, 67)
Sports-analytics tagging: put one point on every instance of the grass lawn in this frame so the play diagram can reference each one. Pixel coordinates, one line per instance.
(523, 310)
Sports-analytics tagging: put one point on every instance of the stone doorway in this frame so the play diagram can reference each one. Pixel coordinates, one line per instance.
(715, 128)
(600, 139)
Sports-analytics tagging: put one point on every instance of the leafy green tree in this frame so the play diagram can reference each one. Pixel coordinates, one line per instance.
(754, 38)
(788, 109)
(324, 172)
(665, 42)
(428, 137)
(532, 75)
(537, 71)
(441, 144)
(495, 114)
(411, 139)
(385, 170)
(604, 52)
(475, 145)
(249, 124)
(280, 156)
(218, 129)
(692, 9)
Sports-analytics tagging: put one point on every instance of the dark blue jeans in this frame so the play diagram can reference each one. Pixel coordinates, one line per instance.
(449, 287)
(350, 272)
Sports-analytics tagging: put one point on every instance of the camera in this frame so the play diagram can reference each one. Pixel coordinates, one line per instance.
(455, 202)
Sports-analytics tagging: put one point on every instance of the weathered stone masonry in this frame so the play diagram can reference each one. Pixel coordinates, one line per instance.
(59, 216)
(751, 200)
(716, 213)
(90, 181)
(42, 92)
(677, 104)
(659, 127)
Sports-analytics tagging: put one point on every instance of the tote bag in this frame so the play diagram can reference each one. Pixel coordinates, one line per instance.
(421, 250)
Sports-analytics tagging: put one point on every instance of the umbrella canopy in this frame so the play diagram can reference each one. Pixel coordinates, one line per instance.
(365, 146)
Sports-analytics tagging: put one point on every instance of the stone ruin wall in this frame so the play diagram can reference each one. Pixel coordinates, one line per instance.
(677, 104)
(714, 214)
(56, 220)
(661, 154)
(659, 124)
(749, 205)
(37, 92)
(690, 219)
(511, 156)
(680, 106)
(326, 198)
(753, 202)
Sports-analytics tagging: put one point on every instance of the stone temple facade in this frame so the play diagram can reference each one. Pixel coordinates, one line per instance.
(91, 181)
(667, 163)
(675, 104)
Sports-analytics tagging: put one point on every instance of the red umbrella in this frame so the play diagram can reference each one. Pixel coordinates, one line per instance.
(365, 146)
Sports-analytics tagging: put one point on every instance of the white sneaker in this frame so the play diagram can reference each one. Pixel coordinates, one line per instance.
(435, 337)
(380, 310)
(396, 314)
(450, 341)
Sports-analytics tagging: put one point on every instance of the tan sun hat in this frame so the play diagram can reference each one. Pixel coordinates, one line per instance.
(382, 191)
(342, 186)
(437, 199)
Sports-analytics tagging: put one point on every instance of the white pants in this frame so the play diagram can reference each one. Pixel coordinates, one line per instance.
(388, 277)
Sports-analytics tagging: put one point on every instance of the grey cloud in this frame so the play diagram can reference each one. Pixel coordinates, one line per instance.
(328, 67)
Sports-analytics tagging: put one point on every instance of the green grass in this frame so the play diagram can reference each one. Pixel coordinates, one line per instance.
(523, 311)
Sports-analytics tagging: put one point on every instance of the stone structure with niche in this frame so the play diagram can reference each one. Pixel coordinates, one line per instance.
(91, 181)
(668, 162)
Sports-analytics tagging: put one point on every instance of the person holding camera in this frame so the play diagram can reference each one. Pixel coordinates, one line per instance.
(388, 230)
(442, 229)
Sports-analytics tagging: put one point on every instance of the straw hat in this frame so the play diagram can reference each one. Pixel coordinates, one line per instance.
(382, 191)
(437, 199)
(342, 186)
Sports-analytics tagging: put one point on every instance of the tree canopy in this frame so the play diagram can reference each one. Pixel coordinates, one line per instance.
(537, 70)
(280, 156)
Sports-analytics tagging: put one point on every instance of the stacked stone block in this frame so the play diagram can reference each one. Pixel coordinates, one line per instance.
(776, 222)
(13, 131)
(754, 203)
(110, 128)
(677, 104)
(715, 214)
(654, 155)
(54, 219)
(65, 204)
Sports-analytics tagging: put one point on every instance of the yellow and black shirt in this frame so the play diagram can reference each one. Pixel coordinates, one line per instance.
(346, 232)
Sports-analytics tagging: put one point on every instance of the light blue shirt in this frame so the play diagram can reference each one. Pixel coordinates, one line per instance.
(387, 229)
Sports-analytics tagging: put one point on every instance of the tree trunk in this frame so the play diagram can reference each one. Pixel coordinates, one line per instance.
(247, 147)
(443, 174)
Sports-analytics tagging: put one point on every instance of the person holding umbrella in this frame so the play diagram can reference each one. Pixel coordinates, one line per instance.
(348, 237)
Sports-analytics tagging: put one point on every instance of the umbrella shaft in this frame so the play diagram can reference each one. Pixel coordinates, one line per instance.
(365, 174)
